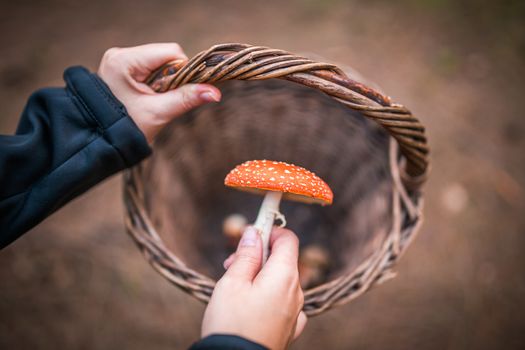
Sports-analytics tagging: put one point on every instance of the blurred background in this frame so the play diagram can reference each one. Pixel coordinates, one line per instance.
(78, 282)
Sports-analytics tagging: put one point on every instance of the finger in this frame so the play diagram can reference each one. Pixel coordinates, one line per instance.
(300, 324)
(176, 102)
(248, 257)
(227, 263)
(146, 58)
(284, 246)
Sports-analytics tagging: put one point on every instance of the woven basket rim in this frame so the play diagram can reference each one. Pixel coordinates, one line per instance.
(408, 171)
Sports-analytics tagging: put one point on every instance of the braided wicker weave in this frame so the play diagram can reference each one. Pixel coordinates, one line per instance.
(318, 123)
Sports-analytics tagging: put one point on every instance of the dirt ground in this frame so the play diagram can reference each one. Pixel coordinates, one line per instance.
(77, 281)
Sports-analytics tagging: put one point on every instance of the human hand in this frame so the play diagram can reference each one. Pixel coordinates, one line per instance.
(262, 305)
(124, 71)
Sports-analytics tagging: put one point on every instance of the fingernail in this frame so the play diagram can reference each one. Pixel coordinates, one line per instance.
(249, 237)
(209, 97)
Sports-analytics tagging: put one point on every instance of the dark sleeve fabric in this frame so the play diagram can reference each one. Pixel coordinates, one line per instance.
(226, 342)
(68, 140)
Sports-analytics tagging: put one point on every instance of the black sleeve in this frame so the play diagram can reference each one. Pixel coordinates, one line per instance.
(68, 140)
(226, 342)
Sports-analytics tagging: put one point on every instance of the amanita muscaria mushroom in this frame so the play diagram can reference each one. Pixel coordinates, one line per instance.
(277, 180)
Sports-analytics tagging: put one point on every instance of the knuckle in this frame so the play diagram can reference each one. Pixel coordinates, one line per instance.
(289, 235)
(112, 56)
(111, 53)
(187, 100)
(247, 259)
(287, 230)
(288, 259)
(176, 47)
(290, 276)
(293, 238)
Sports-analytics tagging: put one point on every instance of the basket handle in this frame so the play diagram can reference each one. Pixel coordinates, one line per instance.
(246, 62)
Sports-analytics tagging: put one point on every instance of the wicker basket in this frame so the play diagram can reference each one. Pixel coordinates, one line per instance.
(373, 154)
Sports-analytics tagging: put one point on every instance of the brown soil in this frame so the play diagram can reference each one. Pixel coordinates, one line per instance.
(77, 281)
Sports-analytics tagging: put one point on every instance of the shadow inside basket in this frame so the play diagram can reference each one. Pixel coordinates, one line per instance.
(187, 201)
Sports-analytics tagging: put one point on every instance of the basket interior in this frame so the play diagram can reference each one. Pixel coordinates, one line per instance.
(187, 201)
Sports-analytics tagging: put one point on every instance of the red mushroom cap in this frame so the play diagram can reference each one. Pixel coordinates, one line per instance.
(295, 182)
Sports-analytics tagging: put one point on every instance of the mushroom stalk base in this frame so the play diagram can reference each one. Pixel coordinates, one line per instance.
(266, 218)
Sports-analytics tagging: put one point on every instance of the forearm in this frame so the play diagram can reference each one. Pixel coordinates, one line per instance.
(68, 140)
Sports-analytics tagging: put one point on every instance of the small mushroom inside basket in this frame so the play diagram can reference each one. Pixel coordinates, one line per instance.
(233, 227)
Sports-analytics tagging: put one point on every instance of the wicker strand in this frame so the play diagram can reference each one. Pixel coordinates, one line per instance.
(244, 62)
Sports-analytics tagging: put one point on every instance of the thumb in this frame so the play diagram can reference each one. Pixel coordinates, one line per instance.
(176, 102)
(248, 257)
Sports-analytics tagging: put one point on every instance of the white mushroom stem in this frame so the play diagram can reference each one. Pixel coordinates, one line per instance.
(266, 217)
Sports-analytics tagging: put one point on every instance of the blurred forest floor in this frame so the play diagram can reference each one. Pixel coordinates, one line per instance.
(78, 282)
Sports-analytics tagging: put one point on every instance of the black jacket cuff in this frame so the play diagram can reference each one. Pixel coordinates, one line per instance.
(226, 341)
(108, 115)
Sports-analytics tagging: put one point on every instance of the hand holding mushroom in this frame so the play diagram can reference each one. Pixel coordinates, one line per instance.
(277, 180)
(260, 304)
